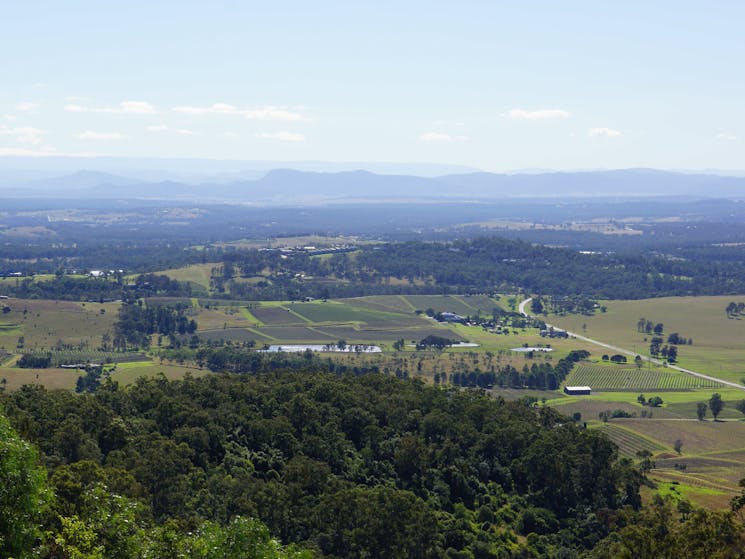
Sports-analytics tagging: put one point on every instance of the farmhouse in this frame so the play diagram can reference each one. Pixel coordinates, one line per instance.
(577, 390)
(451, 317)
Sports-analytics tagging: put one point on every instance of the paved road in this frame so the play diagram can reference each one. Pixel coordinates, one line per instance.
(627, 352)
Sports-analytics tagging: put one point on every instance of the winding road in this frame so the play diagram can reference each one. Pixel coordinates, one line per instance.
(617, 349)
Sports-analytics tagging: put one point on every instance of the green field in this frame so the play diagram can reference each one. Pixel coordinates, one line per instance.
(195, 274)
(127, 373)
(718, 347)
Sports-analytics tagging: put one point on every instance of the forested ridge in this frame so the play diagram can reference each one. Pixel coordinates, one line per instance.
(479, 265)
(367, 466)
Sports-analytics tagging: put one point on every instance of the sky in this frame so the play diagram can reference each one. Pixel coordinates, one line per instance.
(499, 86)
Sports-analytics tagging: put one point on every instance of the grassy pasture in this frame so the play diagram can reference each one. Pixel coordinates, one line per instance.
(127, 373)
(718, 342)
(221, 317)
(684, 487)
(43, 323)
(63, 379)
(197, 274)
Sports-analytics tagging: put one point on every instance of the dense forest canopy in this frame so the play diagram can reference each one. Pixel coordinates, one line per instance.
(366, 466)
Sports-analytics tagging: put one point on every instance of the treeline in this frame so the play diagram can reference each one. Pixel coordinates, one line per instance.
(539, 376)
(485, 264)
(72, 288)
(136, 324)
(482, 265)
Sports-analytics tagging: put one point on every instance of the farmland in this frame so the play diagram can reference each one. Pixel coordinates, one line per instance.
(43, 324)
(710, 453)
(630, 442)
(718, 342)
(610, 378)
(197, 274)
(315, 322)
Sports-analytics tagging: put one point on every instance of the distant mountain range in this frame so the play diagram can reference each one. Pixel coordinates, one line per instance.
(292, 186)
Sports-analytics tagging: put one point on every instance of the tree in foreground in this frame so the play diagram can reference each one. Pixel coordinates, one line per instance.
(740, 406)
(701, 411)
(23, 493)
(716, 404)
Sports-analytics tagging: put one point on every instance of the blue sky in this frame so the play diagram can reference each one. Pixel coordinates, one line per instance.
(494, 85)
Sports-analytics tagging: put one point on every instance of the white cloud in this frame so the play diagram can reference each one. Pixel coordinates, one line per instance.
(90, 135)
(230, 135)
(137, 108)
(267, 112)
(435, 137)
(164, 128)
(24, 134)
(216, 109)
(25, 106)
(273, 113)
(441, 137)
(125, 107)
(281, 136)
(604, 133)
(726, 136)
(540, 114)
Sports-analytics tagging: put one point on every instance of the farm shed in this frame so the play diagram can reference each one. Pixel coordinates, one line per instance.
(577, 390)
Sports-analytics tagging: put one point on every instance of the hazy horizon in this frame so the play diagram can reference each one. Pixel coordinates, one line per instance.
(489, 86)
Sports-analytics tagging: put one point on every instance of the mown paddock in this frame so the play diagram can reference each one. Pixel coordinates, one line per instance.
(389, 303)
(334, 312)
(610, 378)
(276, 316)
(444, 303)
